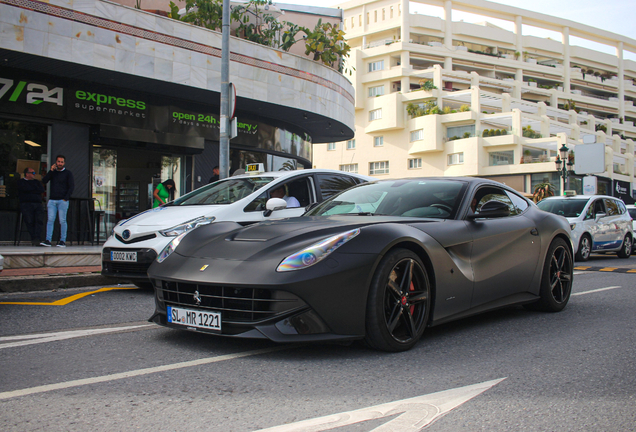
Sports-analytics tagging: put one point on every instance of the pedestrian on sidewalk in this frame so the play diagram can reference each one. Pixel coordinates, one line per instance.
(30, 192)
(62, 185)
(162, 193)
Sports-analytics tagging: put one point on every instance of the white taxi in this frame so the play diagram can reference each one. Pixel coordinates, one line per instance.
(248, 198)
(599, 223)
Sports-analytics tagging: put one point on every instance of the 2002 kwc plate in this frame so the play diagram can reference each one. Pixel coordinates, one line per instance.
(194, 318)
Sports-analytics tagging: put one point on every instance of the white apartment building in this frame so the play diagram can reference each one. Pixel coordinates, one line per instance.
(506, 101)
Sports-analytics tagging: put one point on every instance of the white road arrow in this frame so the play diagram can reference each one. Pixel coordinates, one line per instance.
(416, 413)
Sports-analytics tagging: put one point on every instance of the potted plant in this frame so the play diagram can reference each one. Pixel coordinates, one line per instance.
(541, 191)
(527, 157)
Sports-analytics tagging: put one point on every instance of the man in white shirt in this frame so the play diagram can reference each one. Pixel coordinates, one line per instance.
(281, 193)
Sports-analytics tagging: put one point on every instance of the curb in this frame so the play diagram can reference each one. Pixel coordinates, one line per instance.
(51, 282)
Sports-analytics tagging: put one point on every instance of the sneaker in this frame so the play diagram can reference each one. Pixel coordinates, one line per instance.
(61, 244)
(46, 243)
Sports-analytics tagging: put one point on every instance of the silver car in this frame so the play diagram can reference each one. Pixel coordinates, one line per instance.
(599, 223)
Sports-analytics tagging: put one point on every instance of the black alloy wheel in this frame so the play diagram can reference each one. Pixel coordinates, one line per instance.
(399, 302)
(558, 275)
(585, 248)
(626, 247)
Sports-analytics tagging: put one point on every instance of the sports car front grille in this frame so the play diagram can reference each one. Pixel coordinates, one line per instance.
(239, 305)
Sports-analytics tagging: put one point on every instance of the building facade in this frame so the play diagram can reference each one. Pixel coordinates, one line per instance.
(437, 97)
(131, 98)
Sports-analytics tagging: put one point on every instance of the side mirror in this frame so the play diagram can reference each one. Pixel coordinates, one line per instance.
(600, 216)
(274, 204)
(491, 209)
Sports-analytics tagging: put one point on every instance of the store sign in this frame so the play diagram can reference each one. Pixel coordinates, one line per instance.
(100, 105)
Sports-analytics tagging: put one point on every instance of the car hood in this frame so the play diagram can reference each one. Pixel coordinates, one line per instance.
(230, 241)
(168, 216)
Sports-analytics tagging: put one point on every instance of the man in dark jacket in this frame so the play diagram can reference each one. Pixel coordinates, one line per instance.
(30, 192)
(62, 185)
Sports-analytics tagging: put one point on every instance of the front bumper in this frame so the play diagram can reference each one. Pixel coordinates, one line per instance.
(128, 270)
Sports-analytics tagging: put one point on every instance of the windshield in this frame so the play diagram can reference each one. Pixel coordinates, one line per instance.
(563, 207)
(225, 191)
(408, 198)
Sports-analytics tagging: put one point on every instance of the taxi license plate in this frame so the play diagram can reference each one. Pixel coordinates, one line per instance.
(123, 256)
(194, 318)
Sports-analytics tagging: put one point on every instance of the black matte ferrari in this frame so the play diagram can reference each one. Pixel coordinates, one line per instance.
(379, 262)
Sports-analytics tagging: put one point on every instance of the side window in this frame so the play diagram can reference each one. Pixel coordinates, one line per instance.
(612, 207)
(621, 207)
(298, 188)
(520, 204)
(483, 195)
(598, 207)
(590, 212)
(331, 184)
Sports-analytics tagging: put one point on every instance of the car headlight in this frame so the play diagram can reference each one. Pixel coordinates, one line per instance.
(167, 251)
(316, 252)
(572, 226)
(186, 226)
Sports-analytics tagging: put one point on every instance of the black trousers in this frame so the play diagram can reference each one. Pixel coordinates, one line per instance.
(33, 217)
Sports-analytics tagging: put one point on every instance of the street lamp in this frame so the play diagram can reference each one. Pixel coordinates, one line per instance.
(563, 165)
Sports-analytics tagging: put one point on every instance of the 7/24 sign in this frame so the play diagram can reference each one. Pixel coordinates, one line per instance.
(35, 93)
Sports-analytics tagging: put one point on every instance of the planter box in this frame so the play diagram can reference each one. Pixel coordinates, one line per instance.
(532, 84)
(531, 61)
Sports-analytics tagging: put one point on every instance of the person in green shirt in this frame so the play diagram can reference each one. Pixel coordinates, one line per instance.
(162, 192)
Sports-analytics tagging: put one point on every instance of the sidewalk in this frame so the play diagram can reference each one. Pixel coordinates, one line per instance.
(31, 268)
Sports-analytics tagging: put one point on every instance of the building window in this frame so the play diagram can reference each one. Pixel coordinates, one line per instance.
(417, 135)
(383, 14)
(501, 158)
(367, 18)
(453, 133)
(377, 65)
(375, 16)
(351, 168)
(415, 163)
(456, 158)
(379, 167)
(360, 20)
(331, 146)
(376, 91)
(375, 114)
(378, 141)
(351, 144)
(352, 23)
(391, 12)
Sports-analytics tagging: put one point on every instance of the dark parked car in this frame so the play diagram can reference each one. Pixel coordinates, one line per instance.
(379, 262)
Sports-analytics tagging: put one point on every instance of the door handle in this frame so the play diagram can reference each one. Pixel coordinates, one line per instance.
(534, 232)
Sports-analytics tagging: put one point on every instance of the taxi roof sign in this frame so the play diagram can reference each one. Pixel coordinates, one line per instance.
(255, 168)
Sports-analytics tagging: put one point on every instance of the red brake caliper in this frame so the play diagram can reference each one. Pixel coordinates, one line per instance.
(412, 288)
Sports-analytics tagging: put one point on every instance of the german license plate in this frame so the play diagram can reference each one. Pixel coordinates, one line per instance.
(123, 256)
(194, 318)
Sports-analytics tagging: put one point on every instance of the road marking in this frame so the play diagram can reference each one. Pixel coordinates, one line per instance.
(67, 300)
(138, 372)
(608, 269)
(415, 413)
(596, 290)
(32, 339)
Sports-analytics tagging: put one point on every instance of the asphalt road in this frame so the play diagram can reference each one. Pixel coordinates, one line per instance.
(93, 362)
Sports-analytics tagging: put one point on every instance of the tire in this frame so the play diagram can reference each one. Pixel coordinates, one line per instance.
(556, 281)
(585, 248)
(143, 285)
(399, 302)
(626, 247)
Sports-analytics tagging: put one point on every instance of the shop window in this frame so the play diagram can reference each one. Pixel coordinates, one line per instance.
(22, 145)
